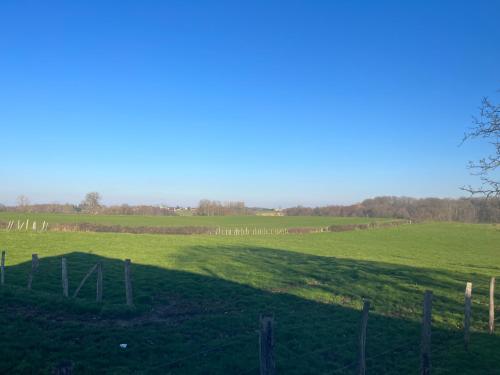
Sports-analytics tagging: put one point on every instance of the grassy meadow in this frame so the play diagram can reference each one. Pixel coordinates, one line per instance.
(182, 221)
(198, 298)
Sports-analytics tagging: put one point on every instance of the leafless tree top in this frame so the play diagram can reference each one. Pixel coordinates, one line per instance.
(92, 202)
(23, 201)
(487, 127)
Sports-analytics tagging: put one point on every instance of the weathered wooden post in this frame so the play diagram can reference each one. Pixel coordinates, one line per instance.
(425, 344)
(98, 296)
(63, 368)
(128, 284)
(2, 269)
(34, 267)
(362, 338)
(64, 275)
(468, 313)
(491, 324)
(266, 346)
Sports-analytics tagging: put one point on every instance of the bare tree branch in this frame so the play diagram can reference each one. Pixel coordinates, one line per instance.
(486, 127)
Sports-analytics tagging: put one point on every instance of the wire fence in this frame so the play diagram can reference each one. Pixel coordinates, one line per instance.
(443, 341)
(354, 337)
(34, 226)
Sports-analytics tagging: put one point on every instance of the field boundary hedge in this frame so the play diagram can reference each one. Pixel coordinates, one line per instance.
(89, 227)
(193, 230)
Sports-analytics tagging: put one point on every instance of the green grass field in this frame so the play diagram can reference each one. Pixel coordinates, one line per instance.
(198, 299)
(180, 221)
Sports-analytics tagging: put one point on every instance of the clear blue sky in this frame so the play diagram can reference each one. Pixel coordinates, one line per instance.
(274, 103)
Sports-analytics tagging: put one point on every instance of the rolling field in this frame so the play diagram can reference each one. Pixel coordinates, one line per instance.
(181, 221)
(198, 299)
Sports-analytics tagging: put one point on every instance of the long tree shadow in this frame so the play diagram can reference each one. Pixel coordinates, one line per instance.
(203, 319)
(394, 288)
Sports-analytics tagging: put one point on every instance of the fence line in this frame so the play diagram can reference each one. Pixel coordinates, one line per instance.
(267, 341)
(491, 322)
(2, 269)
(97, 268)
(468, 313)
(25, 226)
(218, 231)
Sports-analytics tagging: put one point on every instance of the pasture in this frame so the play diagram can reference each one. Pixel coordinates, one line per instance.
(186, 221)
(198, 298)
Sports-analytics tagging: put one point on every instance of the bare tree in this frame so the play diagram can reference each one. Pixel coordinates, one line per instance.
(215, 208)
(486, 127)
(91, 203)
(23, 201)
(463, 209)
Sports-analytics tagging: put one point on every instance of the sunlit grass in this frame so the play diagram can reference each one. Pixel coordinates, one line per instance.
(179, 221)
(193, 292)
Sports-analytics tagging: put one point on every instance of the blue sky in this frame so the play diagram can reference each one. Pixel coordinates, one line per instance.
(274, 103)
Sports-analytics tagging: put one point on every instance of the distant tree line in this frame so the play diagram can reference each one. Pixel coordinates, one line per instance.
(91, 204)
(67, 208)
(215, 208)
(474, 210)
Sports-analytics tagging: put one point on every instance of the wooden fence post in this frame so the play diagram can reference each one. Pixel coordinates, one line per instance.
(2, 269)
(491, 323)
(425, 344)
(468, 313)
(362, 339)
(63, 368)
(98, 296)
(34, 267)
(64, 274)
(266, 346)
(128, 284)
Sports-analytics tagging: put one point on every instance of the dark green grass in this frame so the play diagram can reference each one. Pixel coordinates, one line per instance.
(198, 299)
(182, 221)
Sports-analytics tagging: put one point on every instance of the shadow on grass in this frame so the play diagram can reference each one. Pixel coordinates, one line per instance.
(203, 319)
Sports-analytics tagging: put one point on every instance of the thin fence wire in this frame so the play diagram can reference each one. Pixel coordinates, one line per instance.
(441, 341)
